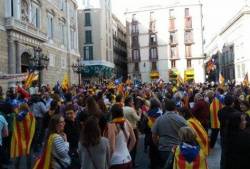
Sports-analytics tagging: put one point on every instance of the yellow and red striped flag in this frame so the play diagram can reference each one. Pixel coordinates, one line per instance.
(44, 162)
(181, 163)
(245, 81)
(23, 132)
(32, 76)
(202, 137)
(65, 82)
(221, 80)
(215, 106)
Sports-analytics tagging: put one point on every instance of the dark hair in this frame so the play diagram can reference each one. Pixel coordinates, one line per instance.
(169, 105)
(228, 100)
(54, 105)
(185, 112)
(55, 119)
(118, 98)
(92, 107)
(128, 100)
(116, 111)
(91, 132)
(68, 97)
(155, 103)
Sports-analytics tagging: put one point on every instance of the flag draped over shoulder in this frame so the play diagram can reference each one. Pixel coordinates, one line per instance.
(181, 163)
(44, 161)
(23, 132)
(202, 137)
(215, 106)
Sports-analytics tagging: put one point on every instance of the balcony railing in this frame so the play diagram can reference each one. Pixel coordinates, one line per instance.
(26, 28)
(188, 23)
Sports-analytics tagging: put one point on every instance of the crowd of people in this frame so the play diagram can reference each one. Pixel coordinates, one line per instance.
(98, 126)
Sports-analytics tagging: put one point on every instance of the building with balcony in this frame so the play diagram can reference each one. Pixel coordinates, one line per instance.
(230, 47)
(48, 24)
(160, 48)
(119, 48)
(96, 39)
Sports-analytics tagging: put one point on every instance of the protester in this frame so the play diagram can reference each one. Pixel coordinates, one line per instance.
(3, 133)
(165, 131)
(122, 139)
(94, 150)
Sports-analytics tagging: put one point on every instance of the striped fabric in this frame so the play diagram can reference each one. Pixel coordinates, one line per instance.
(44, 162)
(23, 132)
(181, 163)
(202, 137)
(215, 106)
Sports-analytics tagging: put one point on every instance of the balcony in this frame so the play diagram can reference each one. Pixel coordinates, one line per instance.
(154, 74)
(188, 23)
(25, 28)
(171, 26)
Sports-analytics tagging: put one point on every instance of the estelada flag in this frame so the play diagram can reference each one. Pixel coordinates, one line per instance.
(65, 82)
(44, 161)
(202, 137)
(120, 89)
(181, 163)
(245, 81)
(221, 80)
(23, 132)
(215, 106)
(32, 76)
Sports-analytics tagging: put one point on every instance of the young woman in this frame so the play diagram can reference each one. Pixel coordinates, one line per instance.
(122, 139)
(55, 154)
(94, 150)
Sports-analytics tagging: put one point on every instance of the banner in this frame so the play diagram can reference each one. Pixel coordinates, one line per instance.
(14, 77)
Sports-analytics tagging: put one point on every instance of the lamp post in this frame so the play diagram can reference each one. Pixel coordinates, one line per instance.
(38, 62)
(77, 68)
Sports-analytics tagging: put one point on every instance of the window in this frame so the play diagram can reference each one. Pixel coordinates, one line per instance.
(88, 37)
(243, 70)
(88, 52)
(72, 11)
(51, 60)
(50, 26)
(87, 19)
(63, 62)
(171, 13)
(135, 28)
(188, 51)
(35, 14)
(152, 39)
(188, 37)
(186, 12)
(137, 67)
(172, 38)
(189, 63)
(136, 54)
(154, 66)
(173, 63)
(72, 38)
(238, 71)
(62, 5)
(173, 52)
(153, 53)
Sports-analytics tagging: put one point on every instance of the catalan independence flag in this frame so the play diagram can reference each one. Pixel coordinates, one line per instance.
(44, 162)
(202, 137)
(31, 77)
(180, 162)
(23, 132)
(215, 106)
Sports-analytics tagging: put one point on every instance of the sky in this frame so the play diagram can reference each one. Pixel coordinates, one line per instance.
(216, 12)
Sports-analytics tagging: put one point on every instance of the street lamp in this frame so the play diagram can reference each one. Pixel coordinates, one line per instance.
(38, 62)
(77, 68)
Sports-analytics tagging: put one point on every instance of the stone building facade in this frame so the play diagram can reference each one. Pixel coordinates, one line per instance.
(119, 48)
(48, 24)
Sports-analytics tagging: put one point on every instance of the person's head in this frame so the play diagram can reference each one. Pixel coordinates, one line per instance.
(116, 111)
(236, 122)
(70, 112)
(170, 105)
(244, 106)
(68, 97)
(119, 98)
(54, 105)
(92, 106)
(155, 103)
(187, 135)
(228, 100)
(56, 124)
(198, 97)
(128, 101)
(91, 132)
(185, 112)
